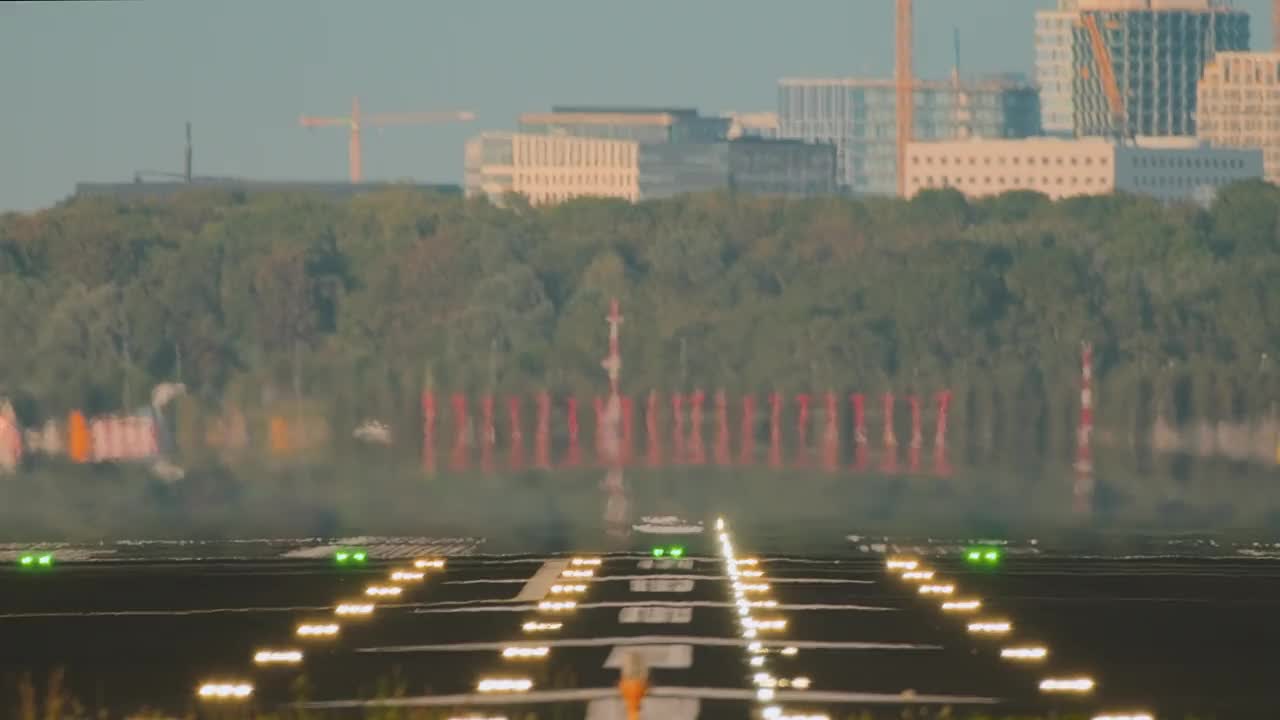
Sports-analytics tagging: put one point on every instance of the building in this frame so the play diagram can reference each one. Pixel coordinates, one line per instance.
(1239, 105)
(753, 124)
(857, 115)
(1164, 168)
(1156, 51)
(638, 154)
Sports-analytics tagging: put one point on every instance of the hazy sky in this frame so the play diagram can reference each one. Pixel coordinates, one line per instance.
(95, 91)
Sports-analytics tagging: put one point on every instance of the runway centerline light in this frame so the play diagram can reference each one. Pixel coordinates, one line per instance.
(407, 576)
(309, 630)
(534, 626)
(917, 575)
(429, 564)
(354, 609)
(1125, 716)
(382, 591)
(937, 589)
(961, 605)
(990, 627)
(901, 564)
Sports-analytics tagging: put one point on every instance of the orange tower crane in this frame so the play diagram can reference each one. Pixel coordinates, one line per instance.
(1107, 76)
(355, 122)
(904, 81)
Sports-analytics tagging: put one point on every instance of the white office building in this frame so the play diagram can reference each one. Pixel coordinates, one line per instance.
(1169, 169)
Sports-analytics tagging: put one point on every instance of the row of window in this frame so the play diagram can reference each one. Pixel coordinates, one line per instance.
(538, 198)
(1002, 181)
(1179, 181)
(1184, 163)
(566, 154)
(616, 180)
(1014, 160)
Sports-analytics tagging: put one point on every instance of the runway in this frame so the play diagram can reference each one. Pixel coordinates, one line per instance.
(1167, 636)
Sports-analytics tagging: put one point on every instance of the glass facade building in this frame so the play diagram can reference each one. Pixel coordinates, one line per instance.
(857, 116)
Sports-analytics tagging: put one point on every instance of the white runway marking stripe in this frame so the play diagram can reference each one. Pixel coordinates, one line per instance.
(654, 708)
(661, 586)
(673, 576)
(509, 607)
(589, 694)
(655, 656)
(657, 615)
(537, 587)
(694, 640)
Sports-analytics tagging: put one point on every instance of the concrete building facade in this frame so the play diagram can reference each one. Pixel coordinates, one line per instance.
(638, 154)
(1156, 49)
(857, 116)
(1166, 169)
(1239, 105)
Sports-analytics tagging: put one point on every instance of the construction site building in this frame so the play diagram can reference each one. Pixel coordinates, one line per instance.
(1239, 105)
(858, 116)
(1169, 169)
(639, 154)
(1155, 50)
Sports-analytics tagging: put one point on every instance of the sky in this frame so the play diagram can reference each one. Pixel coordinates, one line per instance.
(94, 91)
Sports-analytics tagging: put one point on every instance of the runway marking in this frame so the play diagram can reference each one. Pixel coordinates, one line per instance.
(537, 587)
(655, 708)
(655, 656)
(508, 607)
(699, 693)
(695, 640)
(671, 576)
(651, 564)
(655, 615)
(661, 586)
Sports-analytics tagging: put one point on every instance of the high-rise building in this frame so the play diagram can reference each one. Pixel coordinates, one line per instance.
(1169, 169)
(638, 154)
(1153, 50)
(1239, 105)
(857, 115)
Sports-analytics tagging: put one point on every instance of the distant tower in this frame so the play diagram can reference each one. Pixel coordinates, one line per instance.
(186, 166)
(616, 510)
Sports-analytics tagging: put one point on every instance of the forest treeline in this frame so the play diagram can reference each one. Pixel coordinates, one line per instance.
(358, 304)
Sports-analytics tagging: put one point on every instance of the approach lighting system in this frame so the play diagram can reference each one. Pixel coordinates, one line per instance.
(989, 556)
(351, 556)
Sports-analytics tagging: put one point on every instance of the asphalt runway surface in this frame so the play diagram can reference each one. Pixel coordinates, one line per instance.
(1167, 636)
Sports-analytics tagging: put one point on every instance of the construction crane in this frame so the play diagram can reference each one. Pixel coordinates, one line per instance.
(185, 176)
(1106, 75)
(904, 81)
(355, 122)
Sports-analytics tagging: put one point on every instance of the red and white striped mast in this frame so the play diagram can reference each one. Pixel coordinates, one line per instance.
(616, 505)
(1083, 491)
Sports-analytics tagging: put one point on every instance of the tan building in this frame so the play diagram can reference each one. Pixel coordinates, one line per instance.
(639, 153)
(1239, 99)
(1165, 168)
(551, 168)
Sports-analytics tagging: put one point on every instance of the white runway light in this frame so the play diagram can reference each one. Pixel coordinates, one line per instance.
(961, 605)
(578, 573)
(477, 717)
(382, 591)
(1024, 653)
(354, 609)
(567, 589)
(902, 564)
(526, 653)
(532, 627)
(1067, 685)
(407, 576)
(585, 562)
(937, 589)
(918, 575)
(429, 564)
(557, 605)
(225, 691)
(1125, 716)
(317, 630)
(495, 685)
(990, 627)
(277, 657)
